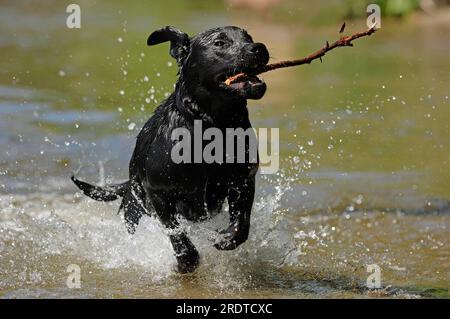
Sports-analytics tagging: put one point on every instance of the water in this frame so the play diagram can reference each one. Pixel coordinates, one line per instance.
(364, 156)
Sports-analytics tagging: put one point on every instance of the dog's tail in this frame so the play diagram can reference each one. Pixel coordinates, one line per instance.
(106, 194)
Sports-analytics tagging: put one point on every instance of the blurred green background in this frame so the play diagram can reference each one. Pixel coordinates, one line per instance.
(381, 106)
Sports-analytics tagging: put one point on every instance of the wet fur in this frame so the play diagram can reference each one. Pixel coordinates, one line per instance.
(160, 187)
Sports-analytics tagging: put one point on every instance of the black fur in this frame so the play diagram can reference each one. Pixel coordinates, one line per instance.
(195, 191)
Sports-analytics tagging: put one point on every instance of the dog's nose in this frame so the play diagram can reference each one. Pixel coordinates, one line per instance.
(259, 52)
(256, 48)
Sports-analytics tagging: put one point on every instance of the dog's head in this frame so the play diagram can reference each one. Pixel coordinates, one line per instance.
(209, 58)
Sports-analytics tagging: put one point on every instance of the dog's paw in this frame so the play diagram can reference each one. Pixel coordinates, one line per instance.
(226, 244)
(187, 263)
(231, 238)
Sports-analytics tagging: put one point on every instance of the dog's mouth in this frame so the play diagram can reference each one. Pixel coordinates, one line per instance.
(247, 85)
(247, 78)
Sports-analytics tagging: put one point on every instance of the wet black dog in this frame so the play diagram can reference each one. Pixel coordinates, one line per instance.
(166, 189)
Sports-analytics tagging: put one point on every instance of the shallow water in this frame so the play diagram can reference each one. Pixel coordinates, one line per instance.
(364, 156)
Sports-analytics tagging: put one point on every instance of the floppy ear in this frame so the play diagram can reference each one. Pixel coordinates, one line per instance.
(179, 42)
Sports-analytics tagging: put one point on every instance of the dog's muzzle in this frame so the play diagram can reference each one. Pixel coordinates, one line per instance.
(248, 86)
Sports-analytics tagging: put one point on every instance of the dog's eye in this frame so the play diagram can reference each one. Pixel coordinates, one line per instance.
(219, 43)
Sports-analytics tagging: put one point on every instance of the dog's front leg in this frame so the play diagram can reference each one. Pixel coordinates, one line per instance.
(185, 252)
(240, 201)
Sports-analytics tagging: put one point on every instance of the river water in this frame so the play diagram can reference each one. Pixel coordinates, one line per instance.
(364, 156)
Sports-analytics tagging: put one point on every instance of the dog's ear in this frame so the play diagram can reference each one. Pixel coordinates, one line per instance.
(179, 42)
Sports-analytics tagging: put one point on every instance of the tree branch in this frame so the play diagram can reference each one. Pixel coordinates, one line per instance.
(344, 41)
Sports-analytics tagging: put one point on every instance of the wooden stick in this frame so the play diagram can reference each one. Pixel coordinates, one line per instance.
(344, 41)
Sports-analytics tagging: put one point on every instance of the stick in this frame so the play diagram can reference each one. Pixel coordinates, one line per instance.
(342, 42)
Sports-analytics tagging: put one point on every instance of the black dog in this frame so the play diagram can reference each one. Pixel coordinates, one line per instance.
(159, 186)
